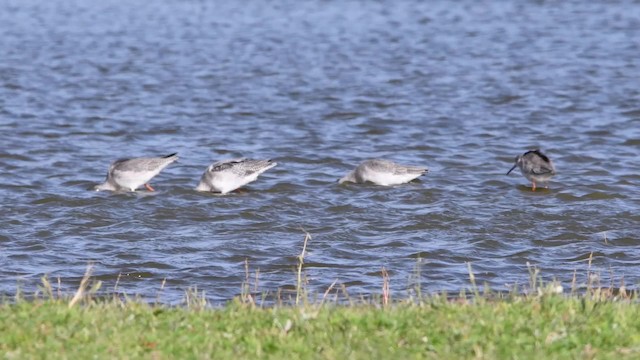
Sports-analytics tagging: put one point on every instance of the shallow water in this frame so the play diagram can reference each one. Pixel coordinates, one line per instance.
(318, 86)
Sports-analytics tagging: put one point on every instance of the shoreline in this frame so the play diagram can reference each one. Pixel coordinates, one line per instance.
(488, 325)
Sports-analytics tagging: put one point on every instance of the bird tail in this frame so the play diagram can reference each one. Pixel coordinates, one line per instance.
(171, 158)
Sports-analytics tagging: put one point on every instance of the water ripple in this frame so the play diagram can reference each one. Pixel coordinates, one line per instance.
(318, 87)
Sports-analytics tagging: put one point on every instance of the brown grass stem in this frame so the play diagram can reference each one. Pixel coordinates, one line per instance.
(386, 292)
(83, 286)
(299, 286)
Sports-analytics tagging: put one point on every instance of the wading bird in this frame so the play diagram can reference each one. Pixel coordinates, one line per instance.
(130, 174)
(383, 172)
(228, 175)
(535, 166)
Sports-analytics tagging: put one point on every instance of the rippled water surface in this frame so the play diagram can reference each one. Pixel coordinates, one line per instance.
(318, 86)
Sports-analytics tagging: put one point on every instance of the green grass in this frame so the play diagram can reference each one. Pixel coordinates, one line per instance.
(538, 321)
(546, 326)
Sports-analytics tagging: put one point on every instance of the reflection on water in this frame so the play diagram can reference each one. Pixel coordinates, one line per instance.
(318, 87)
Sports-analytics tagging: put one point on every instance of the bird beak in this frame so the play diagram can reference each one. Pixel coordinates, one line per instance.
(514, 166)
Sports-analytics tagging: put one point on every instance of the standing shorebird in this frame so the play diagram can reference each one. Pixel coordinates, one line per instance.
(228, 175)
(383, 172)
(130, 174)
(535, 166)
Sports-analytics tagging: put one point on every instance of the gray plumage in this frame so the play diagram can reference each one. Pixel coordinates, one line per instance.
(535, 166)
(383, 172)
(130, 174)
(228, 175)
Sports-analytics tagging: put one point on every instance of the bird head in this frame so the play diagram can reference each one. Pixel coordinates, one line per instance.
(518, 161)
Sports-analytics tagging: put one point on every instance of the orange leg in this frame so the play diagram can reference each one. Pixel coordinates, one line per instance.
(533, 186)
(149, 187)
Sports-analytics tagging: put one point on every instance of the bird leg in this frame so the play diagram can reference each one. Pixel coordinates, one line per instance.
(533, 186)
(149, 187)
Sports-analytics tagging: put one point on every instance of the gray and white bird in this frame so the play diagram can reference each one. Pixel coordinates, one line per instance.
(383, 172)
(535, 166)
(130, 174)
(228, 175)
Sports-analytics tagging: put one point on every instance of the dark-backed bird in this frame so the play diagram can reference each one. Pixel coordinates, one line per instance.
(535, 166)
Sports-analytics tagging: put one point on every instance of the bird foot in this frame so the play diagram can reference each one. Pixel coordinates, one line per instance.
(149, 187)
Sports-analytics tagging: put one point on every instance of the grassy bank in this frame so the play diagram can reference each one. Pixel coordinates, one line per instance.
(548, 326)
(535, 321)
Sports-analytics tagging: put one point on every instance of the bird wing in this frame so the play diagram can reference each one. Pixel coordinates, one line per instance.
(250, 166)
(225, 164)
(380, 165)
(403, 169)
(140, 164)
(542, 170)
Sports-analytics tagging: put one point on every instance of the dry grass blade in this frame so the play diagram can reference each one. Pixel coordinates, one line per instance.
(324, 297)
(245, 295)
(47, 288)
(164, 282)
(472, 279)
(83, 286)
(386, 293)
(307, 237)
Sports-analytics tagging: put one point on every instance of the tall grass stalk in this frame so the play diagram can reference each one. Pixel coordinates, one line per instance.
(299, 285)
(245, 294)
(82, 288)
(195, 299)
(164, 282)
(416, 281)
(472, 279)
(386, 292)
(47, 288)
(533, 276)
(324, 297)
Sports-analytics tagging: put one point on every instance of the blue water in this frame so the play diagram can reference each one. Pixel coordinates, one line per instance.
(318, 86)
